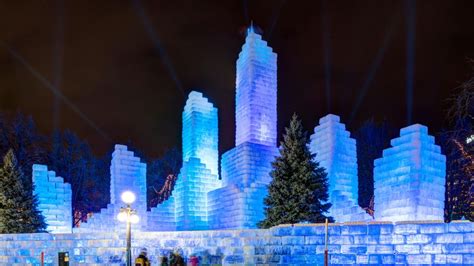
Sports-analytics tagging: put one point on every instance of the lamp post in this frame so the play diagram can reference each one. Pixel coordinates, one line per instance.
(128, 215)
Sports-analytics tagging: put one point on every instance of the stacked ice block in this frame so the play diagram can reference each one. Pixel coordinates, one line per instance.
(245, 168)
(127, 173)
(410, 178)
(54, 199)
(162, 217)
(199, 173)
(336, 151)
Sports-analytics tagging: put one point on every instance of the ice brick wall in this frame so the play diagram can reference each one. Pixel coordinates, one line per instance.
(362, 244)
(245, 169)
(336, 151)
(127, 173)
(198, 175)
(187, 208)
(54, 199)
(256, 94)
(409, 179)
(200, 131)
(162, 217)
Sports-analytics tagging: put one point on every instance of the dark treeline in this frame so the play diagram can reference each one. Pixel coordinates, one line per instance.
(73, 159)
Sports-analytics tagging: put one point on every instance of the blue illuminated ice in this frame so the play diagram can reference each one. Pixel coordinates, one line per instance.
(54, 199)
(410, 178)
(245, 169)
(256, 93)
(127, 173)
(336, 151)
(187, 208)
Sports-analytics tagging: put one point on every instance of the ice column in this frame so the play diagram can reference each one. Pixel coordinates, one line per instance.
(410, 178)
(245, 168)
(336, 151)
(54, 199)
(188, 205)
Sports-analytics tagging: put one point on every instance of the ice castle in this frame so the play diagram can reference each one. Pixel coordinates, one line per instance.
(409, 178)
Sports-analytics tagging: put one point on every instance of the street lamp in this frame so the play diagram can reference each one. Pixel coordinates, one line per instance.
(128, 215)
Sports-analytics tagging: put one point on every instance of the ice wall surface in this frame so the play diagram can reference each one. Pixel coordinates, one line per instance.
(187, 208)
(336, 151)
(245, 169)
(373, 243)
(54, 199)
(256, 93)
(127, 173)
(410, 178)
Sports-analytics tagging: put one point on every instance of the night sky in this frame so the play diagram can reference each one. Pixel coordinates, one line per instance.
(127, 65)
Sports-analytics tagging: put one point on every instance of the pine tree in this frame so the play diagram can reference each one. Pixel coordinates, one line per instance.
(18, 205)
(299, 189)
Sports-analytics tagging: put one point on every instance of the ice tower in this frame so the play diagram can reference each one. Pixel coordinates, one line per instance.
(409, 179)
(245, 169)
(187, 208)
(336, 151)
(199, 173)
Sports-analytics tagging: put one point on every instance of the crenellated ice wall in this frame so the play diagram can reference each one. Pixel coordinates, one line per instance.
(127, 173)
(336, 151)
(374, 243)
(245, 169)
(409, 179)
(54, 199)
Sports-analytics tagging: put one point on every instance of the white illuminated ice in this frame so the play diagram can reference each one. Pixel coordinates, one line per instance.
(336, 151)
(410, 178)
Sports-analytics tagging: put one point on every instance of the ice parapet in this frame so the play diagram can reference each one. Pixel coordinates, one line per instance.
(336, 151)
(54, 199)
(409, 179)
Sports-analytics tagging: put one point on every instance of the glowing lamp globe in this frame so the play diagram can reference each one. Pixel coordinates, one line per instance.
(128, 197)
(134, 219)
(122, 216)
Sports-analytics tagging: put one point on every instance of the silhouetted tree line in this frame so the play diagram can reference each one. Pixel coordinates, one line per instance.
(73, 159)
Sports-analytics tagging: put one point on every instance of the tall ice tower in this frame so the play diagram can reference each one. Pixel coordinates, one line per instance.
(256, 95)
(245, 168)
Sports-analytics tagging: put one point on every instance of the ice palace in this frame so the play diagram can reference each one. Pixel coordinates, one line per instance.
(409, 190)
(408, 172)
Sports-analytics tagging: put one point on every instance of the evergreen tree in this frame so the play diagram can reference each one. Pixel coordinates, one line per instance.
(18, 205)
(299, 189)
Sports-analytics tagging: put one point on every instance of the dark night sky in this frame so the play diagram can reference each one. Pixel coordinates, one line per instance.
(110, 68)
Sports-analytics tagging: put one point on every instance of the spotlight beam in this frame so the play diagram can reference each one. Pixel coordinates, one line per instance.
(140, 10)
(410, 15)
(374, 66)
(275, 16)
(55, 91)
(326, 53)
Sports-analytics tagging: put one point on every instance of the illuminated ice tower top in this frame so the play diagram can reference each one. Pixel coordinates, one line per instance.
(256, 94)
(200, 138)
